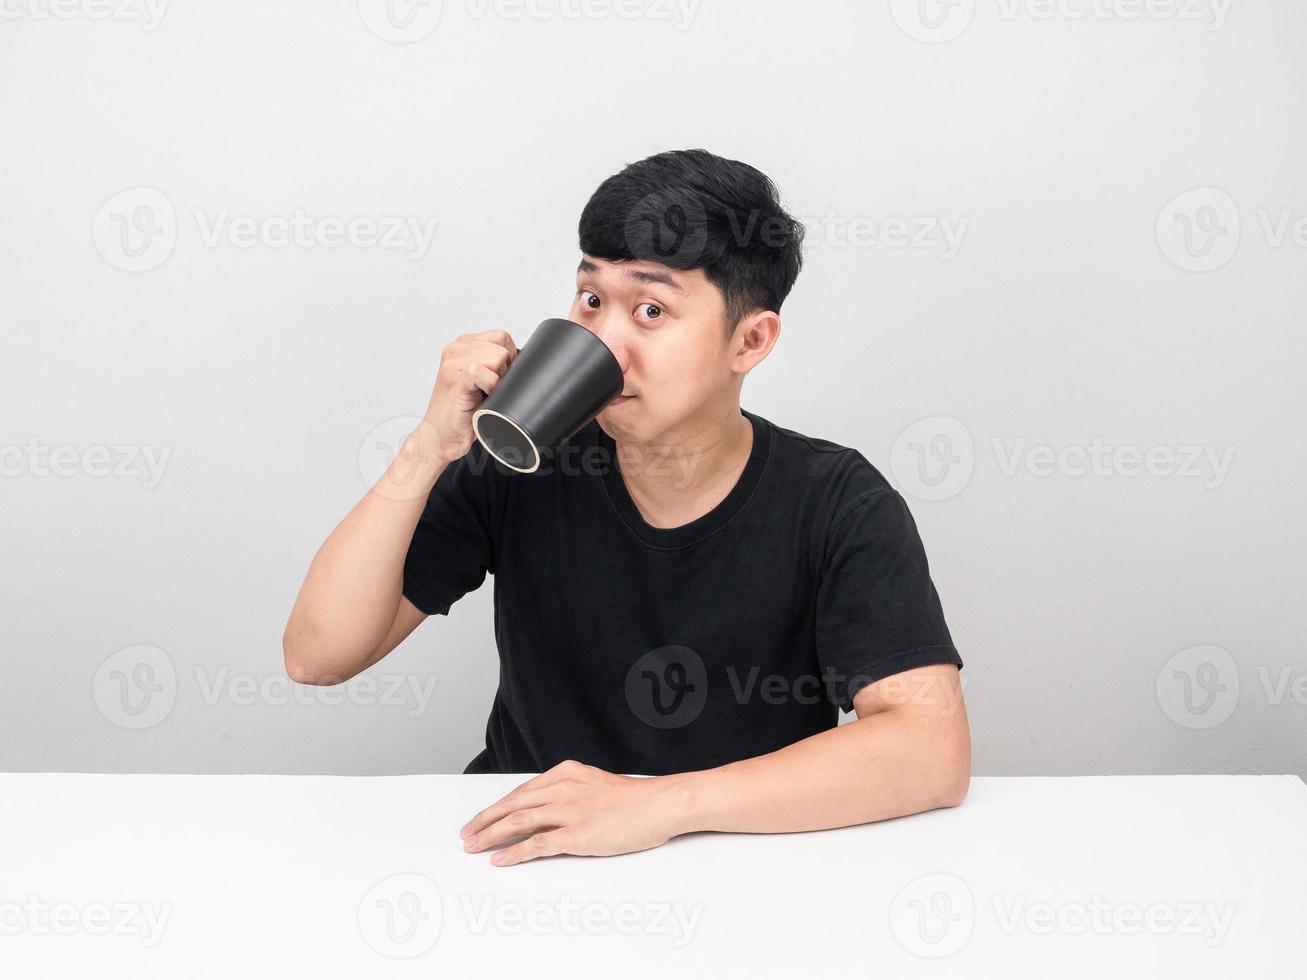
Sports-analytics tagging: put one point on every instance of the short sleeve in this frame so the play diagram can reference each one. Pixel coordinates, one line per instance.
(877, 611)
(453, 544)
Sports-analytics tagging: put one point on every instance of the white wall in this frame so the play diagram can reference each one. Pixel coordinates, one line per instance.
(1069, 308)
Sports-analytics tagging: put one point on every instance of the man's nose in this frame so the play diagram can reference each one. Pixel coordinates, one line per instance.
(612, 331)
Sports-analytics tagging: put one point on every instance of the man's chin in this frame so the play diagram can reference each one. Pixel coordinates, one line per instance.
(613, 423)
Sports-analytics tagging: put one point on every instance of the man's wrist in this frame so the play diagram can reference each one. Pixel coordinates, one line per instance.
(425, 440)
(686, 799)
(416, 466)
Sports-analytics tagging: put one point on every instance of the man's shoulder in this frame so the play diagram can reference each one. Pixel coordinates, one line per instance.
(845, 500)
(841, 470)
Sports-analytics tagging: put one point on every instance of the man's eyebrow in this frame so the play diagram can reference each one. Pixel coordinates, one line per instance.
(638, 275)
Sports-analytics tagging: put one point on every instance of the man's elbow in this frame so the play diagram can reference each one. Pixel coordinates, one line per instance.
(955, 787)
(304, 668)
(955, 772)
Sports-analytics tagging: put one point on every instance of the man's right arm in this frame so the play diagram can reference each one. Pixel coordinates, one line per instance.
(351, 610)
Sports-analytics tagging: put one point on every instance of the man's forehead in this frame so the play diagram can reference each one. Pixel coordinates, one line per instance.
(643, 271)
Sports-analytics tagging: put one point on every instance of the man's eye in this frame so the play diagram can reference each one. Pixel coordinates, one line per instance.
(586, 302)
(656, 311)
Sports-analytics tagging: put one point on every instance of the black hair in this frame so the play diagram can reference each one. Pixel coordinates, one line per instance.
(691, 209)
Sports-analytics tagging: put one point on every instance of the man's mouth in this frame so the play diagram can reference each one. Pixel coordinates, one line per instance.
(621, 398)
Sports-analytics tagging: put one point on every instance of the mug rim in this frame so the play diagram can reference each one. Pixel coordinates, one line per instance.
(476, 426)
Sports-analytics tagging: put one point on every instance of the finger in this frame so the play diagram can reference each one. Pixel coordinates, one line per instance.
(519, 799)
(502, 338)
(537, 845)
(567, 769)
(483, 378)
(462, 373)
(496, 345)
(517, 823)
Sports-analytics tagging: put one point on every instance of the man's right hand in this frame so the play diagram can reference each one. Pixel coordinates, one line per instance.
(470, 367)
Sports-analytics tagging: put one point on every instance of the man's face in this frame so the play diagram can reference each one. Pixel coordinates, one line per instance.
(665, 327)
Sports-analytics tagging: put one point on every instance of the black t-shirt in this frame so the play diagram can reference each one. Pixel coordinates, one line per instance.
(647, 650)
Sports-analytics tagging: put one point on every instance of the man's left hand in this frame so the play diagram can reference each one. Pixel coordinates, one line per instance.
(578, 809)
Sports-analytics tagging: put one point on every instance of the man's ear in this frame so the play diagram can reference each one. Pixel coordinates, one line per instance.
(755, 335)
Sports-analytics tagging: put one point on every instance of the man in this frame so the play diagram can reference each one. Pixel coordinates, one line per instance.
(684, 591)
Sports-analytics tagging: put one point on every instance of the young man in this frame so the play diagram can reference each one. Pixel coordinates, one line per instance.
(684, 590)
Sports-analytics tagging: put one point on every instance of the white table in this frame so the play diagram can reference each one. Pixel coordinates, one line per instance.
(321, 876)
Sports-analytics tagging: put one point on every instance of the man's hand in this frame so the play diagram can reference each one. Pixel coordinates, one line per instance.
(579, 809)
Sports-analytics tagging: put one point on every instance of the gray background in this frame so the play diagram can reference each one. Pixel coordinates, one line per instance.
(1116, 184)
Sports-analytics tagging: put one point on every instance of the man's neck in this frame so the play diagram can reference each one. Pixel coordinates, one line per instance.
(677, 480)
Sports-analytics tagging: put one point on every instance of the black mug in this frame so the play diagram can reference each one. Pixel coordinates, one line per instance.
(558, 382)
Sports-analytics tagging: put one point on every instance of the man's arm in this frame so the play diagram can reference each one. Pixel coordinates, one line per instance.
(350, 611)
(909, 750)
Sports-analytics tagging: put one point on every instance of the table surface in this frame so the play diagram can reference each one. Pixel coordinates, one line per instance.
(328, 876)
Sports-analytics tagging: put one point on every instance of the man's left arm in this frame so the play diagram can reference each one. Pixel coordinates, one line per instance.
(908, 751)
